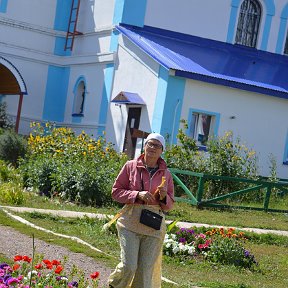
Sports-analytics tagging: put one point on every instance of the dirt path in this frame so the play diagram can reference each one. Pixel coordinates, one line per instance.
(13, 242)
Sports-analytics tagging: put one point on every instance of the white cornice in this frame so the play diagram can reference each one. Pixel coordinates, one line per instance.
(8, 50)
(49, 31)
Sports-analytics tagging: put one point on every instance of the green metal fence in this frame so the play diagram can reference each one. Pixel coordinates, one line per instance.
(254, 185)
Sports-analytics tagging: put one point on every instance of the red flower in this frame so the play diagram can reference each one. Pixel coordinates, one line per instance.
(56, 262)
(58, 269)
(38, 266)
(18, 258)
(47, 262)
(49, 266)
(95, 275)
(16, 267)
(27, 259)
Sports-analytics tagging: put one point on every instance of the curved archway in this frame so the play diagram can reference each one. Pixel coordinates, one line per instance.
(79, 96)
(12, 83)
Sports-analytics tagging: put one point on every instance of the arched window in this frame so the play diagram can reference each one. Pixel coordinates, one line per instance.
(79, 101)
(248, 23)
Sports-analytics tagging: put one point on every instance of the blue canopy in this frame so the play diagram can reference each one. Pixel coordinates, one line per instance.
(128, 98)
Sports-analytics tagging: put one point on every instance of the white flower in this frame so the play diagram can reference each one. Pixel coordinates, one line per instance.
(31, 273)
(191, 250)
(176, 249)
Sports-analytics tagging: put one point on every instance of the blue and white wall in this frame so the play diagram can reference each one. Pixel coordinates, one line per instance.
(217, 20)
(34, 35)
(34, 42)
(170, 99)
(251, 116)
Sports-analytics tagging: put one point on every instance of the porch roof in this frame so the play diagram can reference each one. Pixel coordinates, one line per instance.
(213, 61)
(128, 98)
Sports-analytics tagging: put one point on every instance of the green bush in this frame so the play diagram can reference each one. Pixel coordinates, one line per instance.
(217, 245)
(8, 173)
(37, 173)
(5, 121)
(74, 168)
(12, 147)
(227, 251)
(224, 157)
(11, 193)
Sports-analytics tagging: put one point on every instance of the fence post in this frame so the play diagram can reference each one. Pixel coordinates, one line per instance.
(200, 189)
(267, 197)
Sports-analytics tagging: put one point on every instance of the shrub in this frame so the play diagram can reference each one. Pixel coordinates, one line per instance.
(224, 157)
(37, 173)
(73, 167)
(12, 147)
(12, 193)
(8, 173)
(227, 251)
(215, 245)
(5, 121)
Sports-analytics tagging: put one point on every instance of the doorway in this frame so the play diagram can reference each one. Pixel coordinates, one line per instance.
(133, 122)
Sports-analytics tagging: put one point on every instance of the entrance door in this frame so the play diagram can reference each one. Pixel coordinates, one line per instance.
(132, 123)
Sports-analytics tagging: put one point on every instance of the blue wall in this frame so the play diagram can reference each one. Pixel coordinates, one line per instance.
(58, 77)
(56, 93)
(3, 6)
(129, 12)
(107, 87)
(169, 98)
(282, 31)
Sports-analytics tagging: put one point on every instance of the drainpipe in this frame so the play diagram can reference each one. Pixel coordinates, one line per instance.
(174, 119)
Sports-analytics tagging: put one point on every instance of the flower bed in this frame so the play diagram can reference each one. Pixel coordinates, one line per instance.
(24, 273)
(215, 245)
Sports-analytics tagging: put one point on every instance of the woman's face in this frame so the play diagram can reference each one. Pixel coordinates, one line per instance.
(153, 148)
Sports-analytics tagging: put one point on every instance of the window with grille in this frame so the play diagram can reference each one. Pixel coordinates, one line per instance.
(248, 23)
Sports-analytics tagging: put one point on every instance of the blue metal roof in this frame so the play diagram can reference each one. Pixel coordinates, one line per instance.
(128, 98)
(213, 61)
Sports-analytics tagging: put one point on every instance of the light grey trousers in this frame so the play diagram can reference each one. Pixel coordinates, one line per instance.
(141, 260)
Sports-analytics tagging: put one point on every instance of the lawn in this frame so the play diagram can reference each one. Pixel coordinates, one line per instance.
(270, 251)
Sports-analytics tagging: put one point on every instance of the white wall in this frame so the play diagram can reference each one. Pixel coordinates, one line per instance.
(256, 122)
(95, 14)
(203, 18)
(135, 72)
(34, 75)
(35, 12)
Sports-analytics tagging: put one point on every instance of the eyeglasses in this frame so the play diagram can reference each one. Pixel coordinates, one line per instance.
(154, 145)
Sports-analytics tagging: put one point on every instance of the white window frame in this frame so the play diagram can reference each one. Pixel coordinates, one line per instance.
(195, 132)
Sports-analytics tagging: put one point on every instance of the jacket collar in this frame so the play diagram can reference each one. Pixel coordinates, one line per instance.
(161, 163)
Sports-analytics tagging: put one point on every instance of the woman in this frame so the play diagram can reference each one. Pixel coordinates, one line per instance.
(139, 186)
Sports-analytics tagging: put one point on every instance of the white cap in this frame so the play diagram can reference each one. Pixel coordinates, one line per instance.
(156, 136)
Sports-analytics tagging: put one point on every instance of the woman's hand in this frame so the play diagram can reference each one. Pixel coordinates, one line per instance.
(162, 192)
(145, 196)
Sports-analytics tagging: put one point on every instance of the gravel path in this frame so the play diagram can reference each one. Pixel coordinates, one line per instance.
(13, 242)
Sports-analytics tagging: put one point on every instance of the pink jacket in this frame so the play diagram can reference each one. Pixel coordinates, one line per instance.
(129, 182)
